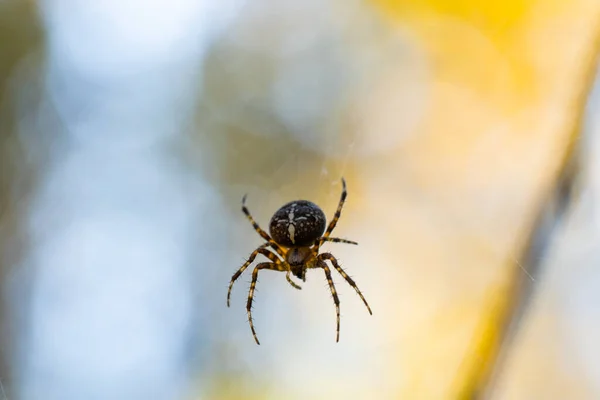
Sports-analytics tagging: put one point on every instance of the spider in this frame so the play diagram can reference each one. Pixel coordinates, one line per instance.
(293, 247)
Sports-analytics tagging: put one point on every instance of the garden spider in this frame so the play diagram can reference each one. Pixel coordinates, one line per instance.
(296, 235)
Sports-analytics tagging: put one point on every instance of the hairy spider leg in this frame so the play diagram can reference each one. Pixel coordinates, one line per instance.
(259, 230)
(335, 240)
(266, 265)
(261, 250)
(336, 265)
(289, 279)
(336, 300)
(336, 216)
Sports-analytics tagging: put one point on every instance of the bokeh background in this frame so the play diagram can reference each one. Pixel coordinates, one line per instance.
(468, 133)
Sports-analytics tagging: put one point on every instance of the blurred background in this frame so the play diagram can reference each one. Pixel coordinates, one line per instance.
(469, 136)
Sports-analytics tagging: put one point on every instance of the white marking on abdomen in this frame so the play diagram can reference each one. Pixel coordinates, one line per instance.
(292, 232)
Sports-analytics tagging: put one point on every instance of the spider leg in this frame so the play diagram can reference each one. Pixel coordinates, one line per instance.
(265, 265)
(259, 230)
(336, 300)
(289, 279)
(338, 212)
(261, 250)
(330, 257)
(334, 240)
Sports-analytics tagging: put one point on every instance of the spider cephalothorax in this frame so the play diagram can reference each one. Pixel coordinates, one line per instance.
(293, 247)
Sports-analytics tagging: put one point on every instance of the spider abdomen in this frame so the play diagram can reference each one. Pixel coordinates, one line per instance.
(297, 223)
